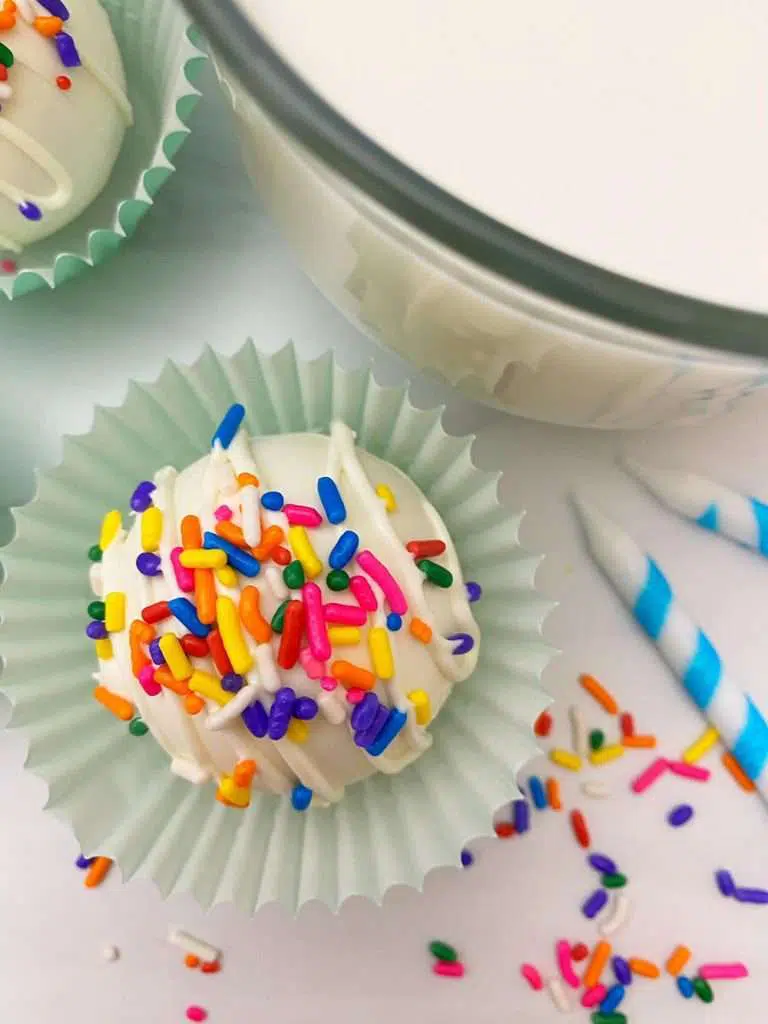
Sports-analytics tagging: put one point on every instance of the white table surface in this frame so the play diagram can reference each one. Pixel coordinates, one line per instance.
(206, 267)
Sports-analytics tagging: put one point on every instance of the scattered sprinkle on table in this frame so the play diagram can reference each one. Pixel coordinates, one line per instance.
(196, 1013)
(680, 815)
(110, 953)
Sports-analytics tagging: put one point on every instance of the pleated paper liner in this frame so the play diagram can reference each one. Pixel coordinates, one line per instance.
(117, 791)
(161, 60)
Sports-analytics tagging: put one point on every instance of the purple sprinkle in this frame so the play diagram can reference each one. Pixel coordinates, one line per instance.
(622, 970)
(364, 713)
(30, 210)
(232, 682)
(474, 591)
(680, 815)
(65, 45)
(522, 815)
(725, 882)
(84, 862)
(96, 630)
(148, 564)
(365, 737)
(155, 653)
(751, 895)
(465, 642)
(56, 8)
(305, 708)
(280, 713)
(603, 864)
(141, 499)
(256, 720)
(592, 906)
(467, 858)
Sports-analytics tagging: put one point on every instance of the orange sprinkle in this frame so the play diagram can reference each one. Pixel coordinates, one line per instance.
(211, 967)
(643, 967)
(353, 675)
(504, 829)
(191, 532)
(553, 794)
(48, 25)
(421, 630)
(232, 532)
(7, 20)
(193, 704)
(244, 773)
(119, 706)
(677, 961)
(139, 657)
(190, 960)
(97, 872)
(738, 772)
(644, 741)
(244, 479)
(165, 677)
(251, 617)
(271, 537)
(597, 963)
(599, 693)
(205, 596)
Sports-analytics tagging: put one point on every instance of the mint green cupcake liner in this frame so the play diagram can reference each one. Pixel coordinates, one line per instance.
(162, 60)
(117, 792)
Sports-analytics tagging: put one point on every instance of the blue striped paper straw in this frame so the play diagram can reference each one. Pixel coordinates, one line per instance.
(717, 508)
(685, 648)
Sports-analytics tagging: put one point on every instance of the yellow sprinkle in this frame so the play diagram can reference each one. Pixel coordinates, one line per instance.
(103, 648)
(114, 612)
(298, 731)
(421, 705)
(387, 497)
(151, 528)
(302, 548)
(232, 636)
(208, 686)
(566, 759)
(702, 745)
(229, 792)
(227, 576)
(381, 653)
(344, 636)
(110, 527)
(606, 754)
(200, 558)
(175, 657)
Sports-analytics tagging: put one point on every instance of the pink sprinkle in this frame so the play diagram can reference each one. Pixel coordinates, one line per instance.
(723, 972)
(302, 515)
(387, 583)
(689, 771)
(313, 668)
(355, 694)
(448, 970)
(317, 634)
(147, 680)
(532, 976)
(185, 578)
(563, 950)
(196, 1013)
(223, 512)
(647, 778)
(346, 614)
(8, 266)
(362, 593)
(593, 996)
(328, 683)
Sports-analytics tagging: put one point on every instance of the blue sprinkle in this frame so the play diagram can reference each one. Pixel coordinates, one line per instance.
(365, 737)
(155, 653)
(613, 999)
(395, 723)
(593, 904)
(183, 610)
(364, 713)
(232, 682)
(685, 987)
(751, 895)
(56, 8)
(305, 708)
(602, 864)
(301, 797)
(725, 882)
(256, 720)
(474, 591)
(343, 550)
(65, 46)
(272, 500)
(229, 426)
(467, 858)
(141, 499)
(622, 970)
(464, 642)
(680, 815)
(149, 564)
(239, 559)
(394, 622)
(84, 862)
(332, 503)
(522, 816)
(30, 210)
(538, 794)
(96, 630)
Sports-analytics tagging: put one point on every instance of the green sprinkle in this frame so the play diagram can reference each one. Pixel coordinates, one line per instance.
(293, 575)
(95, 553)
(609, 1018)
(442, 951)
(96, 610)
(138, 727)
(6, 56)
(703, 990)
(279, 617)
(337, 579)
(616, 881)
(435, 573)
(596, 739)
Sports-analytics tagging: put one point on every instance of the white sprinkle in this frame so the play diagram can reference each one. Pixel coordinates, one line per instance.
(332, 708)
(191, 944)
(110, 953)
(222, 716)
(276, 582)
(597, 790)
(249, 506)
(268, 674)
(578, 731)
(95, 580)
(190, 771)
(617, 917)
(558, 995)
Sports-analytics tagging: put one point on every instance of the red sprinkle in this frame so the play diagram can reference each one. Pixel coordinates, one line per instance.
(211, 967)
(627, 724)
(196, 1013)
(425, 548)
(156, 612)
(281, 555)
(3, 73)
(453, 969)
(219, 653)
(194, 646)
(504, 829)
(580, 830)
(579, 952)
(64, 82)
(8, 266)
(543, 724)
(290, 641)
